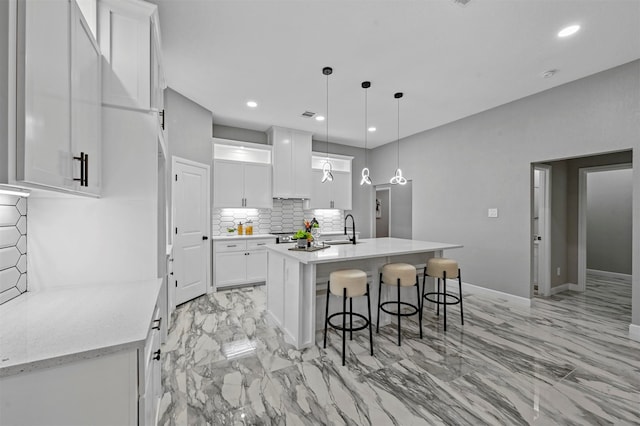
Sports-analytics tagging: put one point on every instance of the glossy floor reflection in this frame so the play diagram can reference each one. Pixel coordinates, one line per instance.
(566, 360)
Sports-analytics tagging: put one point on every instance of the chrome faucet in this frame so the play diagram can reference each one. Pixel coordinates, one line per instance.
(353, 227)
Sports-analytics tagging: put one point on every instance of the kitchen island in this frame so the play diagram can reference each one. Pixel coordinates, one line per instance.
(297, 280)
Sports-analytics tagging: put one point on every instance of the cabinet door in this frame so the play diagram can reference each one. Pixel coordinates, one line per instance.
(301, 159)
(320, 192)
(230, 268)
(228, 184)
(341, 190)
(257, 186)
(257, 266)
(125, 41)
(45, 157)
(86, 108)
(282, 162)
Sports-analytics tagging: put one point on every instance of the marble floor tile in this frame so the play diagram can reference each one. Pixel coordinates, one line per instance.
(565, 360)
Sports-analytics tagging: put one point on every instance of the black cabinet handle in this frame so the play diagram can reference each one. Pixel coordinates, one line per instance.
(161, 113)
(204, 238)
(157, 324)
(156, 355)
(84, 169)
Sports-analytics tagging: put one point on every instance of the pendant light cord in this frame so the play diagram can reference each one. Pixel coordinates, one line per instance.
(366, 122)
(398, 156)
(327, 128)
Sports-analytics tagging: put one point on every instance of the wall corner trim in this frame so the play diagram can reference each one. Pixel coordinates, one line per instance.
(634, 332)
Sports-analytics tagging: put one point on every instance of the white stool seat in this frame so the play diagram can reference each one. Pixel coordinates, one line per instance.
(437, 266)
(354, 280)
(404, 271)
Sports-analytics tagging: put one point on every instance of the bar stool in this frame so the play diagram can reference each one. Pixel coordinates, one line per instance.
(348, 283)
(399, 275)
(442, 268)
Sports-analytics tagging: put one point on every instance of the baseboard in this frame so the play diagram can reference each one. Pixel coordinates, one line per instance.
(452, 285)
(608, 274)
(634, 332)
(563, 287)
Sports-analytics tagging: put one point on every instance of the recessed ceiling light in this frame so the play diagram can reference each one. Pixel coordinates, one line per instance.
(252, 104)
(570, 30)
(319, 117)
(372, 129)
(549, 73)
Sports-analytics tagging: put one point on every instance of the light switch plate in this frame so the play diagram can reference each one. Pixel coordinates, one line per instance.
(493, 213)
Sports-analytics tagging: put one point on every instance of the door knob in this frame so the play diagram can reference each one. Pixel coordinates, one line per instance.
(204, 237)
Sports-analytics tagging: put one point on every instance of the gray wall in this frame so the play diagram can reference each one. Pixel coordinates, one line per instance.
(609, 221)
(238, 134)
(363, 196)
(189, 128)
(4, 66)
(485, 160)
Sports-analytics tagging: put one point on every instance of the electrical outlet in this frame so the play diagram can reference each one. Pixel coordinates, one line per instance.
(558, 271)
(493, 212)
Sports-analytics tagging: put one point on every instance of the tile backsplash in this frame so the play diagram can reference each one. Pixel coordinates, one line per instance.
(13, 247)
(286, 215)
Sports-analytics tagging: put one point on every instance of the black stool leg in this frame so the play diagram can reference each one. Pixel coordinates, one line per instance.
(460, 290)
(351, 318)
(399, 343)
(438, 304)
(424, 285)
(370, 326)
(344, 321)
(420, 312)
(326, 318)
(444, 291)
(379, 292)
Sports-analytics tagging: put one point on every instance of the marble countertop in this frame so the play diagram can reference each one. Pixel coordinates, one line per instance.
(241, 237)
(366, 248)
(52, 327)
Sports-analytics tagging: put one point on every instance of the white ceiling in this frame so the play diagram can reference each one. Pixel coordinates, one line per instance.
(451, 61)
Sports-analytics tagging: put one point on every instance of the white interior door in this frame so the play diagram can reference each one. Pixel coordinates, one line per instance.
(541, 251)
(192, 248)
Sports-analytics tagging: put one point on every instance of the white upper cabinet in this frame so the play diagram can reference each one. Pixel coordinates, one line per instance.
(291, 162)
(86, 108)
(59, 98)
(241, 175)
(334, 194)
(124, 34)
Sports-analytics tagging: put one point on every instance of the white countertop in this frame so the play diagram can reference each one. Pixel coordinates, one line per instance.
(241, 237)
(366, 248)
(52, 327)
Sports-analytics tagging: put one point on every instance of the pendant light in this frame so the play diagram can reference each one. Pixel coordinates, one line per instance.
(327, 175)
(365, 171)
(397, 178)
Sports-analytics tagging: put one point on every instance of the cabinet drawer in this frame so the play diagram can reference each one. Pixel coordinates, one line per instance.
(235, 245)
(259, 244)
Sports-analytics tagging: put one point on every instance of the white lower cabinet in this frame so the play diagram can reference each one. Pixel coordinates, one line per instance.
(119, 388)
(237, 261)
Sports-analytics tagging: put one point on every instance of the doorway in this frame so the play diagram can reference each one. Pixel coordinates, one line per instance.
(604, 222)
(191, 228)
(393, 214)
(541, 231)
(382, 212)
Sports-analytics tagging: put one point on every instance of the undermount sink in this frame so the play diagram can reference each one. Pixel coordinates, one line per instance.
(336, 242)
